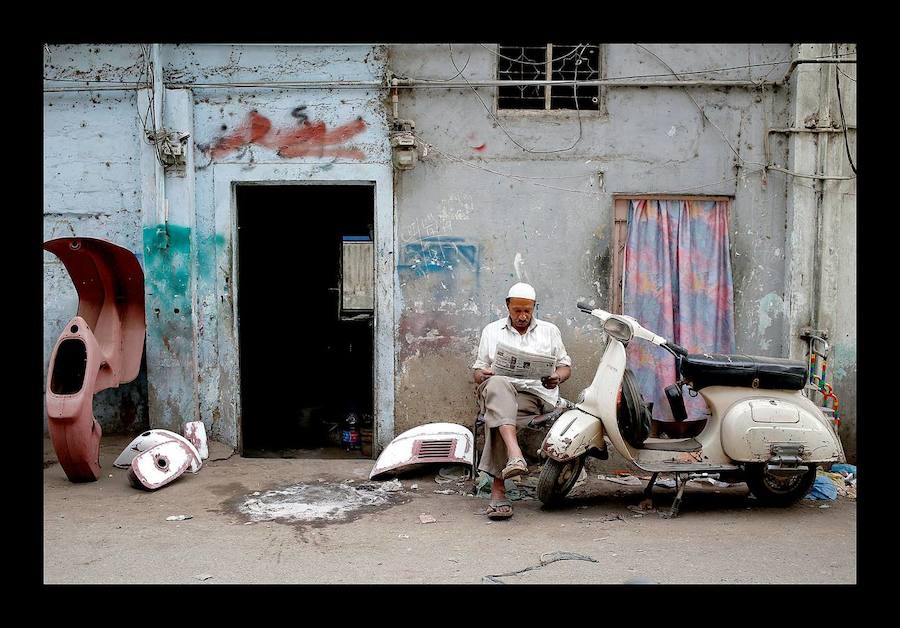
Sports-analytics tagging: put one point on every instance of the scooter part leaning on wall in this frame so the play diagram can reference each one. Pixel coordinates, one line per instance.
(761, 429)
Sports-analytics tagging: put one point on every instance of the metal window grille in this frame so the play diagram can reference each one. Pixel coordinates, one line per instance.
(553, 61)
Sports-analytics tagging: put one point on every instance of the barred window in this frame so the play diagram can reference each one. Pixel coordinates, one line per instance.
(559, 62)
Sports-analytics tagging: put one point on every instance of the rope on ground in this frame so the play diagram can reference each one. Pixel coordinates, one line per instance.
(546, 559)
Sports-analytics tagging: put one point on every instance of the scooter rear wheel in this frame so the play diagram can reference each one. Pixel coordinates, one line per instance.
(773, 491)
(557, 479)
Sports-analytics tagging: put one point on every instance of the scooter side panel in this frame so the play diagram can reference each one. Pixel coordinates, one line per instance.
(573, 433)
(749, 437)
(74, 432)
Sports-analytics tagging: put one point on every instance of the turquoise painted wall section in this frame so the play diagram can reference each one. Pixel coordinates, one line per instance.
(167, 284)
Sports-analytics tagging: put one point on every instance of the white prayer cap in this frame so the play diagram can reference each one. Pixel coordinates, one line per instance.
(521, 291)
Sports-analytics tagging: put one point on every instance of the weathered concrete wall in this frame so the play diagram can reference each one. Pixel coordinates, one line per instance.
(350, 127)
(546, 218)
(92, 188)
(822, 225)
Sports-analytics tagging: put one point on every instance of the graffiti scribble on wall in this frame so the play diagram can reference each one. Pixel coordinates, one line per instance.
(439, 254)
(306, 138)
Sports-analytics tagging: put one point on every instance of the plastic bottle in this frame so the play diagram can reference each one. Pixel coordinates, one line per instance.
(350, 438)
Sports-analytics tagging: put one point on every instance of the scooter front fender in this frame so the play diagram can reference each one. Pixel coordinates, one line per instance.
(573, 433)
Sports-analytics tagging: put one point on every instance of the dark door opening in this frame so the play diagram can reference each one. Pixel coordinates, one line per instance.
(306, 364)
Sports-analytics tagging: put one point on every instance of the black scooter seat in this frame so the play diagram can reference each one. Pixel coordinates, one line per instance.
(749, 371)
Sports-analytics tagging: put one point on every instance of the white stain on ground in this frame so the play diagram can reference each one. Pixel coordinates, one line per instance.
(672, 131)
(307, 503)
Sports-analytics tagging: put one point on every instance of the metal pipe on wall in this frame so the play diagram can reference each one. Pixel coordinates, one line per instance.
(419, 83)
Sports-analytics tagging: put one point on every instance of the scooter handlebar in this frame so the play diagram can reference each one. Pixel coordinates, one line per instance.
(676, 348)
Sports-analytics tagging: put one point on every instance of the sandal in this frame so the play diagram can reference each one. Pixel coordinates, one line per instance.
(501, 509)
(514, 467)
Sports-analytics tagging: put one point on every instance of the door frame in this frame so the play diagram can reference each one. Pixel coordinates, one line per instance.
(225, 179)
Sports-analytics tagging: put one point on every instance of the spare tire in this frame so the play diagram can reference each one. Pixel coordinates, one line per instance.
(632, 413)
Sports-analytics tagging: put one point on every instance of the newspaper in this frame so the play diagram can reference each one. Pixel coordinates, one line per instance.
(522, 364)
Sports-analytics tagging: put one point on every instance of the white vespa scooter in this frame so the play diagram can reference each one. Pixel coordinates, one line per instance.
(761, 428)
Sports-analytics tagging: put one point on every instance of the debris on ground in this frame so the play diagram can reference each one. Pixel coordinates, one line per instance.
(392, 486)
(402, 536)
(604, 519)
(413, 487)
(514, 491)
(844, 478)
(423, 518)
(545, 559)
(711, 480)
(822, 488)
(646, 506)
(844, 469)
(446, 491)
(203, 576)
(179, 517)
(627, 480)
(452, 473)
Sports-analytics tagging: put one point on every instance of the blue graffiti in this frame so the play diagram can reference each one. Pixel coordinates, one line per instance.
(439, 254)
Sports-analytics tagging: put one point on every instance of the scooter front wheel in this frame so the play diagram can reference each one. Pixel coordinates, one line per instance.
(557, 479)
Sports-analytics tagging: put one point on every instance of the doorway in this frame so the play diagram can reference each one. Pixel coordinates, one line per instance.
(306, 350)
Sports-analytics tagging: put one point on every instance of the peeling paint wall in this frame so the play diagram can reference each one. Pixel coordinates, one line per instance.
(92, 188)
(823, 242)
(550, 222)
(259, 130)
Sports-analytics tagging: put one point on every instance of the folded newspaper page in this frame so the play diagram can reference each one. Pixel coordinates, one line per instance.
(522, 364)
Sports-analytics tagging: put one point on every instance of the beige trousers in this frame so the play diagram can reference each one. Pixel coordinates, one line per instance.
(502, 404)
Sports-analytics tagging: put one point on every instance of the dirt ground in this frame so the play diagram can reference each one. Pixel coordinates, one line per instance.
(110, 532)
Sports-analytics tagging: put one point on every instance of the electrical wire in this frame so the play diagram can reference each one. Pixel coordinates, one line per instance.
(702, 112)
(523, 62)
(431, 146)
(520, 178)
(148, 70)
(837, 79)
(502, 128)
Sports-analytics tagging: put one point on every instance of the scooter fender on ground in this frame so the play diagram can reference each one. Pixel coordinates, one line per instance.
(573, 433)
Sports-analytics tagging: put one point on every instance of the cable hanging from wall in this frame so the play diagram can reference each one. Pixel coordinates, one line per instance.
(837, 79)
(519, 178)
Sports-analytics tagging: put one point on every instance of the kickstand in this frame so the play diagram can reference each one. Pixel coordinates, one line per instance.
(648, 491)
(681, 482)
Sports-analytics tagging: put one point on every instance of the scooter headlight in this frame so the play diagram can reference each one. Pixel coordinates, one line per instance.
(618, 329)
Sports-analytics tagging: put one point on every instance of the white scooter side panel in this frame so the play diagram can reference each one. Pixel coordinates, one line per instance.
(751, 426)
(573, 433)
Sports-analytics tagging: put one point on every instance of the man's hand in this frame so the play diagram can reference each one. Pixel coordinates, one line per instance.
(560, 375)
(481, 375)
(551, 381)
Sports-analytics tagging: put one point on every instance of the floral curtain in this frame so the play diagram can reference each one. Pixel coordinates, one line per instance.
(677, 284)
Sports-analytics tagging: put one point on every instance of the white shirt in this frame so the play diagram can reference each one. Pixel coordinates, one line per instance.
(541, 337)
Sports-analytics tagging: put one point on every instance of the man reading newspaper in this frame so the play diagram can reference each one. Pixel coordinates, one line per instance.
(521, 362)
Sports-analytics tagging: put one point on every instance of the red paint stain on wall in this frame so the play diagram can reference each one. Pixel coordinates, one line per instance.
(480, 148)
(309, 139)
